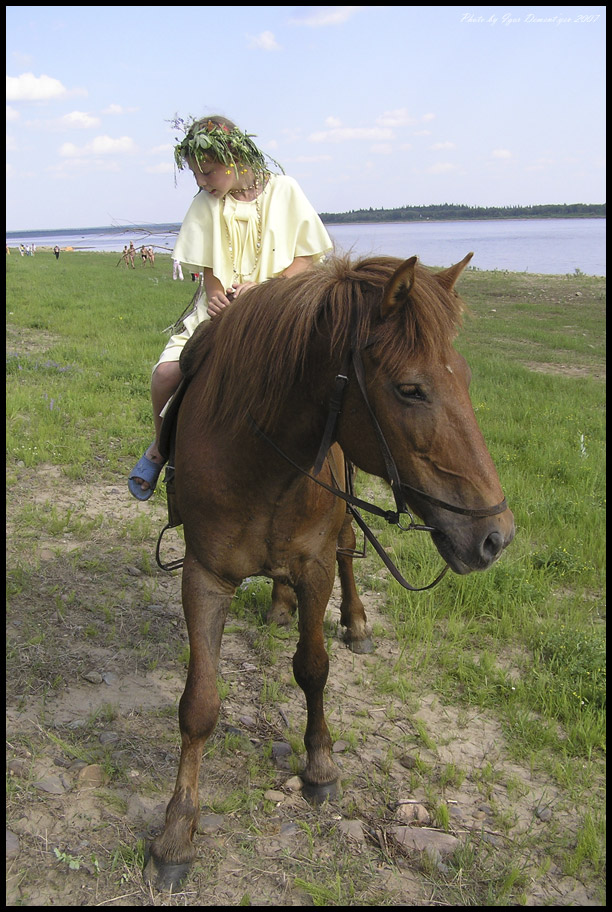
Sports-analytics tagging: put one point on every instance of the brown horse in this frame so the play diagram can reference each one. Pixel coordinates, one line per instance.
(252, 421)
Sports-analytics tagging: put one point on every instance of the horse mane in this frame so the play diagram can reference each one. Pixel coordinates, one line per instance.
(256, 349)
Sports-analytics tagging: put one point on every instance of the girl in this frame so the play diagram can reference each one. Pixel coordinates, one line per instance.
(245, 225)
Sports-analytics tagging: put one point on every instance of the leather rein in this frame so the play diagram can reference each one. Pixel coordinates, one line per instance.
(398, 487)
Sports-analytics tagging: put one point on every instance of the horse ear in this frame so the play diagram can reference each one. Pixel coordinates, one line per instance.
(398, 287)
(449, 276)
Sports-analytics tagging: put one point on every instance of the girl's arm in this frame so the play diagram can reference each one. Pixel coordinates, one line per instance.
(218, 298)
(216, 294)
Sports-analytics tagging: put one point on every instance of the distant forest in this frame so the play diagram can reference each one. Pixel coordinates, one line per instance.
(449, 211)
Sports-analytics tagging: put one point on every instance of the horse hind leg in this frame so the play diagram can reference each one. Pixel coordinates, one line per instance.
(172, 852)
(310, 667)
(284, 603)
(352, 613)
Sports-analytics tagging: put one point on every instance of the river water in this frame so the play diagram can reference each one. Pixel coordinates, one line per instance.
(549, 246)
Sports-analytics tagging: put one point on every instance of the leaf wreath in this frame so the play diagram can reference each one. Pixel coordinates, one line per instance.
(206, 139)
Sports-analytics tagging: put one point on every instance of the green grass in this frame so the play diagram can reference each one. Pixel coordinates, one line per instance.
(88, 335)
(543, 602)
(523, 641)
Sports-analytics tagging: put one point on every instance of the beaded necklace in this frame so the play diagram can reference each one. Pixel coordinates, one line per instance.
(244, 274)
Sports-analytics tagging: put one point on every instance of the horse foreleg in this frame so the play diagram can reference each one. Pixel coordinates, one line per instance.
(205, 605)
(352, 612)
(310, 667)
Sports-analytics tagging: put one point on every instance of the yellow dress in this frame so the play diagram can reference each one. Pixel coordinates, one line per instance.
(290, 228)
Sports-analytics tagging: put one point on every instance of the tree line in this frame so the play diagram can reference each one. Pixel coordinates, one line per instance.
(451, 211)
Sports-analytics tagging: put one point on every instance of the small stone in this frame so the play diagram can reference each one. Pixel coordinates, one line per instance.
(339, 746)
(91, 776)
(420, 840)
(108, 737)
(248, 722)
(353, 829)
(12, 845)
(544, 813)
(50, 784)
(134, 571)
(93, 677)
(274, 795)
(18, 767)
(413, 813)
(109, 677)
(408, 762)
(280, 749)
(210, 823)
(294, 784)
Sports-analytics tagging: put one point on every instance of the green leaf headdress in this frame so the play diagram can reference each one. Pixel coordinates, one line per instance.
(213, 138)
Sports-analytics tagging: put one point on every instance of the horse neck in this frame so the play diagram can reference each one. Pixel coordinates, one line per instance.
(302, 420)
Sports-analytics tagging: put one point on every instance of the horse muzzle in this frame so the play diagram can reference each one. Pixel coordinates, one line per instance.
(467, 546)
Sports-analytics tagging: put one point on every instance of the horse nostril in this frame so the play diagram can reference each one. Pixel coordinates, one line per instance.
(492, 545)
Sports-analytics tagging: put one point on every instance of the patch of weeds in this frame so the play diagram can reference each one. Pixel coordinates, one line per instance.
(128, 860)
(590, 848)
(577, 658)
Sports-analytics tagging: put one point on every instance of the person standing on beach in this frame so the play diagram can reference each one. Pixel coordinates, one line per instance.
(245, 225)
(56, 251)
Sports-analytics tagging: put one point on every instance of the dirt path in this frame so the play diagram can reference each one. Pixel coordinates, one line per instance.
(95, 669)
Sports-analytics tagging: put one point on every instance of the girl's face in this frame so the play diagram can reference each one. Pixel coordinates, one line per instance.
(213, 177)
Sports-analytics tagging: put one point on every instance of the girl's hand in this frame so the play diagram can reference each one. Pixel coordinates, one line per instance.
(218, 302)
(238, 288)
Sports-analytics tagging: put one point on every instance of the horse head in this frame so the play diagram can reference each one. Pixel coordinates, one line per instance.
(417, 385)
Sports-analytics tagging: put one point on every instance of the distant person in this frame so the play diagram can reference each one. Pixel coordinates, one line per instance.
(132, 253)
(124, 256)
(177, 272)
(244, 226)
(56, 251)
(8, 250)
(143, 255)
(151, 256)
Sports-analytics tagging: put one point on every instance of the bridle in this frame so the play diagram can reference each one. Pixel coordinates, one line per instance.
(398, 487)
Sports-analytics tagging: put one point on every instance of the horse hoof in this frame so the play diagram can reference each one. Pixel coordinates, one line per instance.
(361, 647)
(165, 877)
(317, 794)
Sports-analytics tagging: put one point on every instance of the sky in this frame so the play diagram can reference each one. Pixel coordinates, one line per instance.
(365, 106)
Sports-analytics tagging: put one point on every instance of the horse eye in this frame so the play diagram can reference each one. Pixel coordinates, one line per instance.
(410, 391)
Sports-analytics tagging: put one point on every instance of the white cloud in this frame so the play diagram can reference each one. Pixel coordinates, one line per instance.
(164, 149)
(265, 41)
(437, 147)
(501, 153)
(11, 113)
(427, 117)
(310, 159)
(333, 122)
(79, 120)
(343, 134)
(101, 145)
(397, 118)
(442, 168)
(29, 87)
(327, 15)
(161, 168)
(382, 148)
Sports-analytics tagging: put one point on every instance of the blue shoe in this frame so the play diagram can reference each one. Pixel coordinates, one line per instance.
(146, 470)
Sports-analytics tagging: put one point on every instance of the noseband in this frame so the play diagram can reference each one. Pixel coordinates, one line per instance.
(398, 487)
